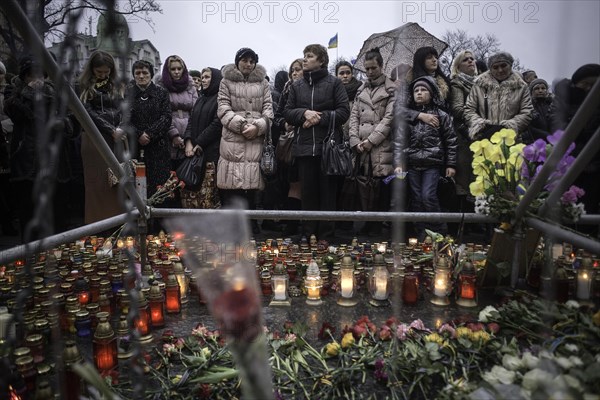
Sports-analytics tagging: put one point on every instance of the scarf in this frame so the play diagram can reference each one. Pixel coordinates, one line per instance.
(178, 85)
(352, 88)
(466, 80)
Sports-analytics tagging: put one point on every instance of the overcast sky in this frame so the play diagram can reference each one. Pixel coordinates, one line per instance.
(552, 37)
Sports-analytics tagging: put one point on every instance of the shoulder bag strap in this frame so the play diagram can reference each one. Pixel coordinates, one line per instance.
(331, 127)
(485, 103)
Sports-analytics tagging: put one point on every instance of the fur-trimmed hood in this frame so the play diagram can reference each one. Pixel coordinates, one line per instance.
(488, 82)
(258, 74)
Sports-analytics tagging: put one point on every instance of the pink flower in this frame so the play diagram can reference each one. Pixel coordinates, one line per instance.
(385, 333)
(401, 331)
(475, 326)
(418, 324)
(493, 327)
(449, 329)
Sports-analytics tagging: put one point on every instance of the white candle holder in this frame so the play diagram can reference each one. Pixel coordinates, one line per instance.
(280, 283)
(347, 296)
(379, 283)
(441, 283)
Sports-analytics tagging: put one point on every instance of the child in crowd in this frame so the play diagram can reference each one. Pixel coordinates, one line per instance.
(424, 148)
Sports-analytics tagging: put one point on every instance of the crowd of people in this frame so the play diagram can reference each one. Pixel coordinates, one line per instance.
(413, 127)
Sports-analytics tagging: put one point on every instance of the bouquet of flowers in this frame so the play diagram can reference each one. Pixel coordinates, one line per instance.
(505, 169)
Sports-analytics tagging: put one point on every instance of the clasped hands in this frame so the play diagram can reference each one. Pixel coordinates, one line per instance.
(250, 131)
(312, 118)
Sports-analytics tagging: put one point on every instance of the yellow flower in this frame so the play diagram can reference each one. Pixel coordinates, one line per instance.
(206, 352)
(504, 135)
(479, 167)
(493, 153)
(476, 148)
(463, 331)
(435, 338)
(175, 380)
(515, 160)
(596, 319)
(332, 349)
(486, 147)
(482, 336)
(517, 148)
(347, 340)
(476, 188)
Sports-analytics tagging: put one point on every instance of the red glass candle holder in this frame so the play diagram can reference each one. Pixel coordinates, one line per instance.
(410, 289)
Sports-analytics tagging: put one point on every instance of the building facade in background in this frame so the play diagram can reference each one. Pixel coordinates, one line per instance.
(114, 41)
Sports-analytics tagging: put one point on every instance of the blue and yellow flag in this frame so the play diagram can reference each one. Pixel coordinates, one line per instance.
(333, 42)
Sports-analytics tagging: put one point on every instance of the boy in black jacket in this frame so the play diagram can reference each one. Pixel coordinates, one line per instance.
(424, 148)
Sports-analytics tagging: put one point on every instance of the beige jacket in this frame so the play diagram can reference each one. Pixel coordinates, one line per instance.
(509, 104)
(242, 101)
(371, 118)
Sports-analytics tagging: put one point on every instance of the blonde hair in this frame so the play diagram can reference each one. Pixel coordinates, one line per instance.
(456, 63)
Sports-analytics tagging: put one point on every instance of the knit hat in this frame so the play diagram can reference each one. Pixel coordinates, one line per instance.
(500, 57)
(2, 68)
(423, 83)
(586, 71)
(195, 73)
(245, 52)
(536, 82)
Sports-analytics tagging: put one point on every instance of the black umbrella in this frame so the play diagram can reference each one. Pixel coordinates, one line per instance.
(398, 46)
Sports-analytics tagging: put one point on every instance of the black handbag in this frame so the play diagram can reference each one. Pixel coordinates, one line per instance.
(336, 159)
(268, 163)
(283, 151)
(190, 170)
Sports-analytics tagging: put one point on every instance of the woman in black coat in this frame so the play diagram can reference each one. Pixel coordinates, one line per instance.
(150, 120)
(310, 106)
(203, 135)
(30, 107)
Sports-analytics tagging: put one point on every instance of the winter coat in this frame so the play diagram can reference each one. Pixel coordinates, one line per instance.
(418, 145)
(566, 103)
(509, 104)
(371, 119)
(459, 89)
(204, 127)
(317, 91)
(151, 113)
(242, 101)
(181, 107)
(24, 108)
(540, 125)
(105, 111)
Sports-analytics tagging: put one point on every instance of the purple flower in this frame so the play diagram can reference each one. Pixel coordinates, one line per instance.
(535, 152)
(555, 137)
(380, 374)
(572, 195)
